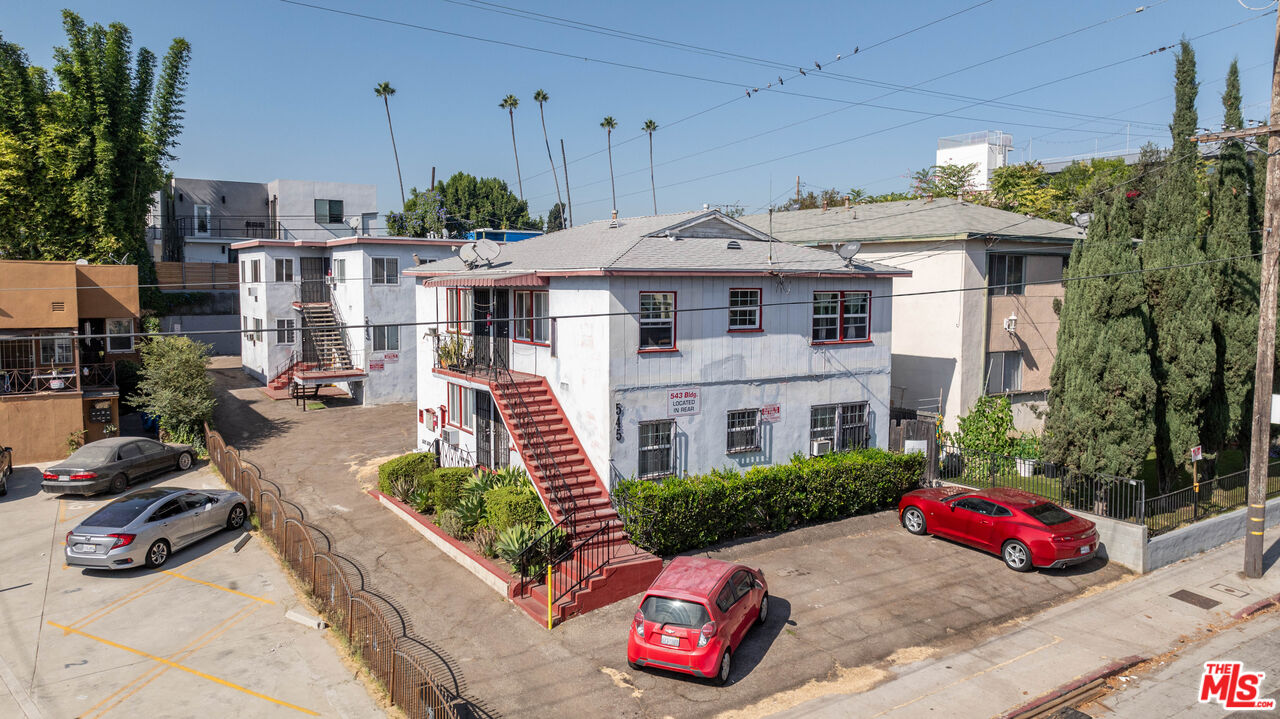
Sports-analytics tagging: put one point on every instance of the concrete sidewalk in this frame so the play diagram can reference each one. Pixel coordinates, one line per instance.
(1143, 618)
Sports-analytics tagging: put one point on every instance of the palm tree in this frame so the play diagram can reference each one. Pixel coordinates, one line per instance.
(651, 127)
(510, 103)
(540, 97)
(385, 91)
(608, 123)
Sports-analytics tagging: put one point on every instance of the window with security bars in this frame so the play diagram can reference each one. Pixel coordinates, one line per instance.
(657, 320)
(743, 431)
(845, 425)
(744, 310)
(656, 457)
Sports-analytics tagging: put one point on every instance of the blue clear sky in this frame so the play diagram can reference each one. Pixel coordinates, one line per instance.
(281, 91)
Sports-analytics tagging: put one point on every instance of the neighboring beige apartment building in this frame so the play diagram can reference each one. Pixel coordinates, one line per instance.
(976, 316)
(55, 381)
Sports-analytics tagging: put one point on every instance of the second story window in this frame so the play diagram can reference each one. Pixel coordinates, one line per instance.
(1004, 372)
(255, 271)
(458, 309)
(56, 351)
(1005, 274)
(120, 335)
(285, 333)
(339, 270)
(841, 316)
(284, 269)
(386, 338)
(744, 310)
(386, 271)
(203, 220)
(328, 212)
(657, 321)
(532, 324)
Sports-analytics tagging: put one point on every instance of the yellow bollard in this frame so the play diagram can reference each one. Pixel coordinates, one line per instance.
(549, 597)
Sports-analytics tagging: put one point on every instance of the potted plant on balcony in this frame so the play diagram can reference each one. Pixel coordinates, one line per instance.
(454, 353)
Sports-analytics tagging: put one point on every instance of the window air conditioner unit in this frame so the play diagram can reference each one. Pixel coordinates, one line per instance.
(450, 436)
(819, 447)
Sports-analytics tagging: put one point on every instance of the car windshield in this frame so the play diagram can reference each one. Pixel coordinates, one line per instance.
(681, 613)
(1049, 514)
(92, 454)
(120, 512)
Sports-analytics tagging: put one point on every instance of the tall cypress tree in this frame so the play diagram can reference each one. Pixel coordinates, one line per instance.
(1183, 355)
(1235, 324)
(1100, 418)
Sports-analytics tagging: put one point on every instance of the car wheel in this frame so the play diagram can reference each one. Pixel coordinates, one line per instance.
(913, 520)
(1016, 556)
(722, 673)
(184, 461)
(119, 483)
(763, 615)
(235, 518)
(158, 554)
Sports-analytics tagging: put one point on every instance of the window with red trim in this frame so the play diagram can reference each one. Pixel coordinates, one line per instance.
(462, 408)
(744, 310)
(532, 324)
(657, 321)
(841, 316)
(458, 307)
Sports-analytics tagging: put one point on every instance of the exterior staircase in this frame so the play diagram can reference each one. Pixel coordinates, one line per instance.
(330, 341)
(606, 567)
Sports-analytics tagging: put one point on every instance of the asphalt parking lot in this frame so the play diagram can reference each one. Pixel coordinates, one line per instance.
(204, 636)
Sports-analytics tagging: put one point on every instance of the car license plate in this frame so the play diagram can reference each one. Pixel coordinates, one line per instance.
(64, 478)
(91, 548)
(670, 640)
(1085, 549)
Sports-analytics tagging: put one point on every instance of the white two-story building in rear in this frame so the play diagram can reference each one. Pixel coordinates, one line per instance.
(333, 312)
(650, 347)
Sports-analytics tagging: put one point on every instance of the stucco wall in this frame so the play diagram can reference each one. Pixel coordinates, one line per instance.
(1036, 334)
(1203, 536)
(37, 426)
(295, 206)
(225, 343)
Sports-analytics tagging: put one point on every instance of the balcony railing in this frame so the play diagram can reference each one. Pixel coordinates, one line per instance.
(253, 228)
(35, 380)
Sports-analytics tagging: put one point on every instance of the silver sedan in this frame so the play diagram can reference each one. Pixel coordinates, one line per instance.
(147, 526)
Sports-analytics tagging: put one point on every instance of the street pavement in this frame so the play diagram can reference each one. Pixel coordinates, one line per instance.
(1076, 640)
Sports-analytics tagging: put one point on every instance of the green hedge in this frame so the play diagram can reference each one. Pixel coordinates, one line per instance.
(447, 491)
(417, 466)
(692, 512)
(508, 506)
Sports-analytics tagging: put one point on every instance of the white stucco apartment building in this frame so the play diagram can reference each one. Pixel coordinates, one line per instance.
(650, 347)
(299, 296)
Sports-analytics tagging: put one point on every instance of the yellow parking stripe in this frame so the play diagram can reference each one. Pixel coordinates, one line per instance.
(217, 586)
(154, 671)
(97, 614)
(189, 670)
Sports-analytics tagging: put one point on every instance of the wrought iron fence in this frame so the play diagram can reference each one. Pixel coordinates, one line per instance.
(1204, 499)
(375, 633)
(31, 381)
(1104, 495)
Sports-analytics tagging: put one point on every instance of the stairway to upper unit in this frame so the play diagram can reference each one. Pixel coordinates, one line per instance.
(329, 338)
(569, 484)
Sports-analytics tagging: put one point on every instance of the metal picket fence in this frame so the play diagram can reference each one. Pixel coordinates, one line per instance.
(366, 621)
(1204, 499)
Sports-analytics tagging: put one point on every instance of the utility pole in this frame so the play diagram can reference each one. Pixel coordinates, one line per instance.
(797, 192)
(1260, 444)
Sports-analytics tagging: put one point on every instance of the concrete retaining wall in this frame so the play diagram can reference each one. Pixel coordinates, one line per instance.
(1120, 542)
(1203, 536)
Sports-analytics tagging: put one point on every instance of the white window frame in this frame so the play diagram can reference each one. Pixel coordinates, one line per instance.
(284, 269)
(257, 330)
(286, 334)
(742, 304)
(659, 442)
(197, 211)
(742, 431)
(657, 316)
(999, 365)
(338, 269)
(63, 351)
(255, 270)
(380, 275)
(385, 336)
(126, 334)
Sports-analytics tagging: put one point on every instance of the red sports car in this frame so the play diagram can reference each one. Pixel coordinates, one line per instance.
(1025, 529)
(694, 616)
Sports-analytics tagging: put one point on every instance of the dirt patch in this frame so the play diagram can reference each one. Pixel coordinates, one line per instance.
(622, 680)
(366, 473)
(844, 681)
(910, 655)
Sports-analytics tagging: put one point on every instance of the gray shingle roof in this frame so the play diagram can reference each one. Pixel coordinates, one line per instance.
(639, 244)
(942, 217)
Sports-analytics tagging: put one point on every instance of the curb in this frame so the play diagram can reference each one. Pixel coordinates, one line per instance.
(1256, 607)
(1107, 671)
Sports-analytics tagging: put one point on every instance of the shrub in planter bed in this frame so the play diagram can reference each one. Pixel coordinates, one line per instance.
(689, 512)
(449, 521)
(485, 538)
(413, 469)
(508, 506)
(447, 489)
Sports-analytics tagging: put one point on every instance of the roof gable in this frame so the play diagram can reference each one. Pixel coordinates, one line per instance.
(713, 224)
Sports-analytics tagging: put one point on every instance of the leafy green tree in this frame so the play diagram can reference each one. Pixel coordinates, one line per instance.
(944, 180)
(81, 158)
(1180, 300)
(174, 386)
(1235, 294)
(385, 91)
(459, 205)
(811, 200)
(1024, 189)
(510, 103)
(423, 215)
(556, 218)
(889, 197)
(609, 124)
(1101, 388)
(541, 97)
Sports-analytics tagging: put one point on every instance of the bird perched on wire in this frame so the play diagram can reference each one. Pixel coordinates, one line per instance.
(748, 93)
(855, 49)
(815, 64)
(801, 69)
(780, 80)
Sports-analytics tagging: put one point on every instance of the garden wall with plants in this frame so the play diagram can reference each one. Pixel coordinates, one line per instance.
(691, 512)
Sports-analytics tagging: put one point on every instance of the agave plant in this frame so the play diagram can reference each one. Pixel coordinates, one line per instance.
(479, 483)
(511, 477)
(420, 499)
(513, 540)
(402, 487)
(471, 510)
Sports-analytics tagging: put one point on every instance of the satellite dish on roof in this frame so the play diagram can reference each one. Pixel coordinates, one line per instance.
(82, 262)
(487, 250)
(467, 253)
(848, 250)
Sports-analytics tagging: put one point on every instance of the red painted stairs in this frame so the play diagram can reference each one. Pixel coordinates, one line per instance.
(630, 569)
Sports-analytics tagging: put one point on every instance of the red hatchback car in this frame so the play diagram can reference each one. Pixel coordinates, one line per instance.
(694, 616)
(1025, 529)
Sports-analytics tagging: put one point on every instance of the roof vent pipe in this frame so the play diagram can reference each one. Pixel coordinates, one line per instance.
(846, 202)
(613, 221)
(705, 207)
